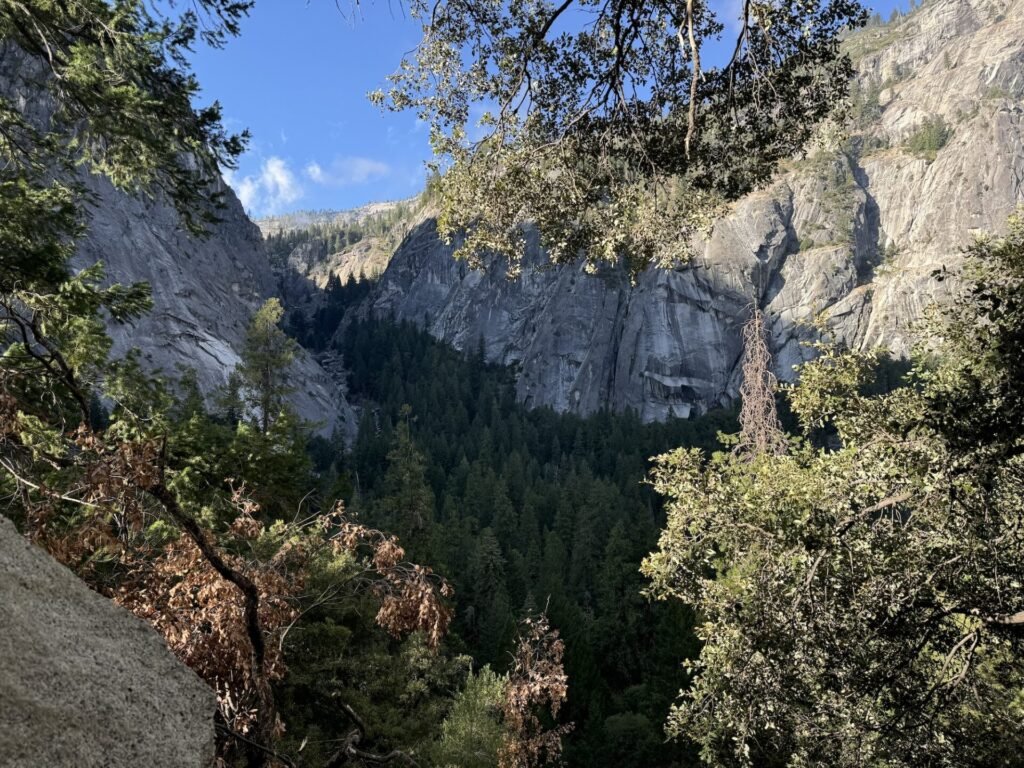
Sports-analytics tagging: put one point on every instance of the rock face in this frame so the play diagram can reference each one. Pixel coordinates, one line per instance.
(367, 258)
(312, 247)
(846, 238)
(204, 290)
(83, 682)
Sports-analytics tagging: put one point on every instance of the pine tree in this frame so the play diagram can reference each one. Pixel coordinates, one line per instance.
(490, 596)
(619, 605)
(472, 733)
(405, 503)
(266, 357)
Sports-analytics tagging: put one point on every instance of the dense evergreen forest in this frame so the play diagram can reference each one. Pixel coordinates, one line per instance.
(520, 509)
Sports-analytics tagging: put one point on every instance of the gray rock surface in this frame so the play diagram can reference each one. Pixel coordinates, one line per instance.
(84, 683)
(204, 293)
(204, 290)
(848, 239)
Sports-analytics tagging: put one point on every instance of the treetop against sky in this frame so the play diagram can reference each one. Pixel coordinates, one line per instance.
(297, 78)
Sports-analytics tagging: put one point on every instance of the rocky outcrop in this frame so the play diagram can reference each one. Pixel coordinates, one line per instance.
(312, 247)
(844, 242)
(83, 682)
(366, 259)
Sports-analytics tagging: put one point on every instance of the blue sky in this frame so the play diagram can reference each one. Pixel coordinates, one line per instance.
(297, 78)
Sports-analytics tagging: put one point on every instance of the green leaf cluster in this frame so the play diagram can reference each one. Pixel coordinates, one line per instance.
(599, 123)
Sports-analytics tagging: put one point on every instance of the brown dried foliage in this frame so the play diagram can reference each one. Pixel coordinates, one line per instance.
(203, 618)
(106, 479)
(222, 609)
(760, 430)
(411, 596)
(201, 615)
(537, 681)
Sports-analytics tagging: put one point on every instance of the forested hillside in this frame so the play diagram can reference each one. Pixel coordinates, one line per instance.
(340, 245)
(524, 511)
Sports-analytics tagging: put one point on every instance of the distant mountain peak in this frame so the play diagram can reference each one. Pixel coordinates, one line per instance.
(306, 219)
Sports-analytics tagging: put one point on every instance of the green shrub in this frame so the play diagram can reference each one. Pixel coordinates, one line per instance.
(931, 136)
(997, 92)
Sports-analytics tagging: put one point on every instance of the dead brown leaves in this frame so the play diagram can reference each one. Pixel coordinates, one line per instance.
(202, 616)
(537, 681)
(412, 597)
(222, 601)
(760, 429)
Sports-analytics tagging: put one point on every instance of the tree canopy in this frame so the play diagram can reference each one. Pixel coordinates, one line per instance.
(109, 89)
(857, 587)
(609, 125)
(131, 483)
(862, 603)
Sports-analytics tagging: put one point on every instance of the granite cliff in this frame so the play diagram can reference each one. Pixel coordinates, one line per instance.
(204, 292)
(204, 289)
(844, 242)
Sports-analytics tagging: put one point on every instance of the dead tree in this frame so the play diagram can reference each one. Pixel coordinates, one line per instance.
(760, 429)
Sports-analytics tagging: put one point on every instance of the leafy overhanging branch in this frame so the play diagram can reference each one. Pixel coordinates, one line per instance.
(596, 121)
(862, 602)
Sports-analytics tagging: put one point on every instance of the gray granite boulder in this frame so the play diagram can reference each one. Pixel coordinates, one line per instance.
(83, 682)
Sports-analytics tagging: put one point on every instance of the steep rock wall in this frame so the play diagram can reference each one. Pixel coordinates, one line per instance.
(204, 293)
(846, 239)
(204, 289)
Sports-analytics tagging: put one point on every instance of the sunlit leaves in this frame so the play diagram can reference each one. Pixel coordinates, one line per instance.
(576, 117)
(861, 601)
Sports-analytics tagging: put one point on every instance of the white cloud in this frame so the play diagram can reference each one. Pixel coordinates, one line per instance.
(316, 173)
(270, 191)
(346, 171)
(248, 192)
(279, 182)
